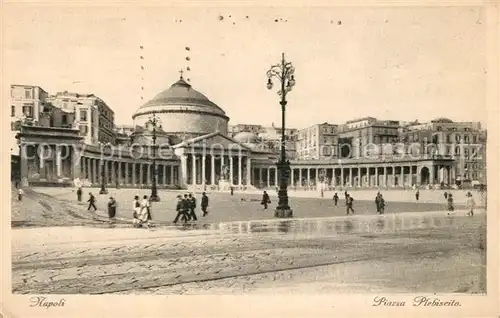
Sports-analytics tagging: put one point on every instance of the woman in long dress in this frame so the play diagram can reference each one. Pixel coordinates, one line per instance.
(136, 206)
(144, 214)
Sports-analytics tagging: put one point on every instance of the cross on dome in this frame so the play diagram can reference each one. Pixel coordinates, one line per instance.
(181, 72)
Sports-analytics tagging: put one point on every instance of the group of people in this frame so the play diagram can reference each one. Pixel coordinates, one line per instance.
(470, 203)
(186, 207)
(348, 202)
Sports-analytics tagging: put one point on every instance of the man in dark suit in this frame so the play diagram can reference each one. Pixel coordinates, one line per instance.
(204, 203)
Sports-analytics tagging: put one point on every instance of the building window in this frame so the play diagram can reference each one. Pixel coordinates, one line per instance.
(83, 115)
(84, 129)
(28, 111)
(12, 111)
(27, 94)
(64, 119)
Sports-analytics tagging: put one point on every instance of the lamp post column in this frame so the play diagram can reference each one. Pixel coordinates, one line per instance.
(154, 191)
(283, 71)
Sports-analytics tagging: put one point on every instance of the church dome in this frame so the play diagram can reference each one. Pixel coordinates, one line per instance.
(183, 110)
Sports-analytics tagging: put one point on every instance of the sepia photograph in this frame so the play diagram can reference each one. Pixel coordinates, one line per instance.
(248, 151)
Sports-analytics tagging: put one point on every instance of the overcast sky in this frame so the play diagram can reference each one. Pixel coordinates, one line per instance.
(397, 63)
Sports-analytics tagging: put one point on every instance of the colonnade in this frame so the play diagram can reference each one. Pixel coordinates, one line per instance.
(358, 176)
(127, 173)
(199, 169)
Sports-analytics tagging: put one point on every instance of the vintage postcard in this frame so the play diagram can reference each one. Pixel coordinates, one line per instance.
(247, 160)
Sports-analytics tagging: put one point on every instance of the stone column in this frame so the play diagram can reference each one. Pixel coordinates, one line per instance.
(134, 174)
(249, 170)
(393, 175)
(164, 174)
(203, 169)
(183, 171)
(83, 163)
(127, 181)
(58, 162)
(172, 181)
(452, 175)
(268, 177)
(276, 177)
(141, 173)
(300, 176)
(112, 172)
(334, 178)
(342, 176)
(240, 171)
(350, 177)
(94, 170)
(221, 164)
(193, 173)
(376, 176)
(402, 176)
(231, 167)
(23, 156)
(385, 176)
(308, 176)
(119, 172)
(431, 174)
(76, 163)
(419, 175)
(212, 169)
(292, 179)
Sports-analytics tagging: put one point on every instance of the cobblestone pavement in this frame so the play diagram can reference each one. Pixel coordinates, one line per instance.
(445, 255)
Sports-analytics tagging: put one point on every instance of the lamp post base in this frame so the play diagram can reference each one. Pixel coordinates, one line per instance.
(103, 191)
(154, 198)
(283, 213)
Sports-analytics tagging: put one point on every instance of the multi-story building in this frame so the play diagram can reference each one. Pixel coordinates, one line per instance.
(316, 142)
(27, 101)
(465, 142)
(93, 117)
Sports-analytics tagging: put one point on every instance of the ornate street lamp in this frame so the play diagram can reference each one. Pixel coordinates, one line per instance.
(154, 120)
(284, 73)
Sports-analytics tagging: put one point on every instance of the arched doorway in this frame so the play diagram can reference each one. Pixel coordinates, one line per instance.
(424, 176)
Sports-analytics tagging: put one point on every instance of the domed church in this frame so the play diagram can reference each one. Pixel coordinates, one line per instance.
(183, 112)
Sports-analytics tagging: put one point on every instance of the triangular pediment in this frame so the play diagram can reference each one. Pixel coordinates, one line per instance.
(215, 139)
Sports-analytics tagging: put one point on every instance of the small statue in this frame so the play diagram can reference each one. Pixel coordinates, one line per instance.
(225, 172)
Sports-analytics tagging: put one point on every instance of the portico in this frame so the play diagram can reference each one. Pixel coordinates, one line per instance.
(208, 159)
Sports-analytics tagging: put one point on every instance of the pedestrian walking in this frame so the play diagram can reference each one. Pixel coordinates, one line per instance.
(335, 198)
(79, 194)
(381, 204)
(185, 199)
(204, 203)
(111, 209)
(349, 202)
(91, 202)
(136, 207)
(232, 191)
(377, 202)
(322, 193)
(417, 195)
(192, 207)
(145, 215)
(445, 195)
(20, 194)
(451, 208)
(265, 200)
(471, 204)
(181, 210)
